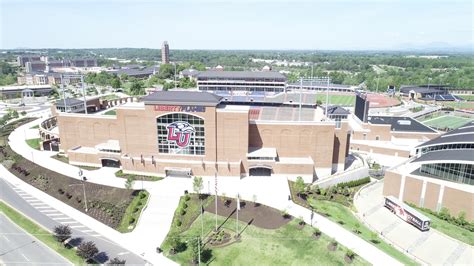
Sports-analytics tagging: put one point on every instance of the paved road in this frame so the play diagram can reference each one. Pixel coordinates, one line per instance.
(19, 247)
(49, 217)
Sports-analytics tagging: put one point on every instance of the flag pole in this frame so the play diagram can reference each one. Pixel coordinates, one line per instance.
(215, 175)
(237, 220)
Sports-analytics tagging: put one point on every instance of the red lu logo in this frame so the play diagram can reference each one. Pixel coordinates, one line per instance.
(180, 132)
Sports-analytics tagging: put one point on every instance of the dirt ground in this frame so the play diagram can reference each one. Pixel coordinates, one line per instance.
(259, 215)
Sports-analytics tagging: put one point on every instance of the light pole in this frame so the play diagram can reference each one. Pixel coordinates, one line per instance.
(83, 178)
(175, 76)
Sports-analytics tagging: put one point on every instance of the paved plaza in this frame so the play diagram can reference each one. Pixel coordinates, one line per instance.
(431, 247)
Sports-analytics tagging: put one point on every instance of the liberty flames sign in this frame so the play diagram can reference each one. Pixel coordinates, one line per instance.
(180, 132)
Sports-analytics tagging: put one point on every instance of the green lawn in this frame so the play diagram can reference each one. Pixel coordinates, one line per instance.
(467, 97)
(338, 213)
(459, 105)
(111, 112)
(133, 212)
(344, 100)
(110, 97)
(41, 234)
(449, 229)
(34, 143)
(138, 177)
(447, 121)
(287, 245)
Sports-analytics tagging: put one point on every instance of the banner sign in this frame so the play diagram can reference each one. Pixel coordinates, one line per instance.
(180, 108)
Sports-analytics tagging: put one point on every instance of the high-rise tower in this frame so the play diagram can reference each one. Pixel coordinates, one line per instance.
(165, 53)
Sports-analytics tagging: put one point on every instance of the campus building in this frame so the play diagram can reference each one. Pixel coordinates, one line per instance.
(165, 53)
(226, 83)
(385, 135)
(186, 133)
(440, 175)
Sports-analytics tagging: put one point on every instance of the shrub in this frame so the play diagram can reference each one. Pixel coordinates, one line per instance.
(354, 183)
(316, 232)
(182, 212)
(334, 242)
(131, 221)
(116, 261)
(179, 223)
(87, 250)
(142, 195)
(350, 254)
(62, 233)
(185, 206)
(187, 197)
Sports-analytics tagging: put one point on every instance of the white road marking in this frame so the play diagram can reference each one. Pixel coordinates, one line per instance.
(33, 200)
(70, 222)
(96, 235)
(46, 211)
(77, 226)
(6, 238)
(60, 218)
(23, 255)
(27, 197)
(37, 203)
(123, 253)
(42, 207)
(55, 214)
(87, 231)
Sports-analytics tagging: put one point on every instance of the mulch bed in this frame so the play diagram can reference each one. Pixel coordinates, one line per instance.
(105, 204)
(259, 215)
(332, 247)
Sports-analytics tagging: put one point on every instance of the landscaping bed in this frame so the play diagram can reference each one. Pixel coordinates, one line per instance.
(255, 245)
(335, 203)
(256, 214)
(106, 204)
(137, 177)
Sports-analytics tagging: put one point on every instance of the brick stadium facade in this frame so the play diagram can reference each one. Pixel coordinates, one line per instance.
(194, 133)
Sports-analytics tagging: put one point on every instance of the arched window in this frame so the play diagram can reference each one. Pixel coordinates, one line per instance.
(180, 133)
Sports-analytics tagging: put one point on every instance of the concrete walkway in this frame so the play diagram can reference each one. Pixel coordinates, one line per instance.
(431, 247)
(155, 222)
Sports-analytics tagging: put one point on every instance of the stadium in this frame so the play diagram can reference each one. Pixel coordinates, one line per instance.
(440, 175)
(186, 133)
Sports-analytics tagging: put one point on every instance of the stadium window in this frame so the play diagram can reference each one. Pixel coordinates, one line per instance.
(377, 137)
(365, 136)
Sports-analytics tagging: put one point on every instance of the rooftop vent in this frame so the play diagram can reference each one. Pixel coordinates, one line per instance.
(404, 122)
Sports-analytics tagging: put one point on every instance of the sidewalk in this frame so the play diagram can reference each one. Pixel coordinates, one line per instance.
(113, 235)
(416, 243)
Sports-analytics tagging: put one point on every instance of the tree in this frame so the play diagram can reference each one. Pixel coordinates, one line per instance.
(444, 214)
(166, 71)
(299, 185)
(195, 249)
(62, 233)
(116, 261)
(197, 184)
(116, 83)
(23, 113)
(129, 182)
(175, 243)
(137, 88)
(87, 250)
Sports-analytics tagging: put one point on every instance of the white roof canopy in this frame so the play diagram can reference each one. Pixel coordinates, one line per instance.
(262, 152)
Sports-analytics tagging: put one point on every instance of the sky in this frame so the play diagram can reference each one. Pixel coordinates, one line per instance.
(237, 24)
